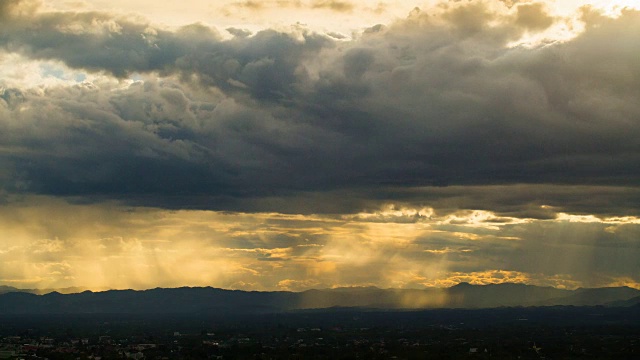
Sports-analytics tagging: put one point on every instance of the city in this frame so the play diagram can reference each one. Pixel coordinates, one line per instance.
(558, 333)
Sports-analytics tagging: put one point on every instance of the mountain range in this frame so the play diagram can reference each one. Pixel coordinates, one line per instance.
(208, 300)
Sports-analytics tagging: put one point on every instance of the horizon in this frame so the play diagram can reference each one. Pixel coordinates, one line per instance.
(80, 289)
(296, 145)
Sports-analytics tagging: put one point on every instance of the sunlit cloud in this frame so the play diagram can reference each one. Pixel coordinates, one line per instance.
(102, 246)
(596, 219)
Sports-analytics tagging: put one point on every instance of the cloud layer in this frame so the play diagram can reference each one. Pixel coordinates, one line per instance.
(427, 101)
(57, 244)
(463, 108)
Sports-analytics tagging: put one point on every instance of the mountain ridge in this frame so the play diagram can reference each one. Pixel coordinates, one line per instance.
(208, 300)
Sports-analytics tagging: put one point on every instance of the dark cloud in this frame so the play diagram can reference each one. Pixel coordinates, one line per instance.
(272, 118)
(533, 16)
(333, 5)
(265, 63)
(336, 35)
(11, 8)
(12, 97)
(254, 5)
(341, 6)
(239, 32)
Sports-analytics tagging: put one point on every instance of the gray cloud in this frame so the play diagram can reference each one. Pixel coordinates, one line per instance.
(239, 32)
(273, 118)
(264, 63)
(340, 6)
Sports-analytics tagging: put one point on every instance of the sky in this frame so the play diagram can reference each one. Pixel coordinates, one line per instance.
(298, 144)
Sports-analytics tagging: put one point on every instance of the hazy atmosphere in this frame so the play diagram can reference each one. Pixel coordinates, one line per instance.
(298, 144)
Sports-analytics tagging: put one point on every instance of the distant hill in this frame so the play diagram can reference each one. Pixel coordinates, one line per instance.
(209, 300)
(591, 297)
(634, 301)
(69, 290)
(465, 295)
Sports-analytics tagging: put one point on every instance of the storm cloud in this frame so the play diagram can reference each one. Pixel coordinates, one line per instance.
(462, 109)
(425, 102)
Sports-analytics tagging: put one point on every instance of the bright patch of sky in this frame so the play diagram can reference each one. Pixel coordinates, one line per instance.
(17, 71)
(335, 16)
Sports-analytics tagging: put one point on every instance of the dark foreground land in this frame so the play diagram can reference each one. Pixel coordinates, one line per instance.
(504, 333)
